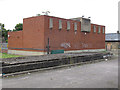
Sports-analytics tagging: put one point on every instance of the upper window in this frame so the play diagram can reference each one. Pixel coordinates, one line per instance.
(75, 26)
(99, 29)
(94, 28)
(50, 23)
(60, 24)
(103, 30)
(68, 25)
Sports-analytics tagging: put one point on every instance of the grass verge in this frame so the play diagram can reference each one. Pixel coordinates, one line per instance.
(5, 55)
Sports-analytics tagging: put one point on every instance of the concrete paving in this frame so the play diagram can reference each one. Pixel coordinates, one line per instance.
(96, 75)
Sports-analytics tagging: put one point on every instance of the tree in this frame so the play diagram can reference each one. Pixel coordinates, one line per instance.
(38, 14)
(18, 27)
(4, 33)
(2, 26)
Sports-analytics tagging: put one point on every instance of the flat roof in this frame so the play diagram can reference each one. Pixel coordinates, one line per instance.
(112, 37)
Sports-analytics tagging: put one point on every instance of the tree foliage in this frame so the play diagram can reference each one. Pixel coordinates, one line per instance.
(2, 26)
(4, 33)
(18, 27)
(38, 14)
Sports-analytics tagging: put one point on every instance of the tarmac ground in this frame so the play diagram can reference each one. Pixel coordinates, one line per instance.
(95, 75)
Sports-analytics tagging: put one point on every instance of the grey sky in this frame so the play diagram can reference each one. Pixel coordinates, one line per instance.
(103, 12)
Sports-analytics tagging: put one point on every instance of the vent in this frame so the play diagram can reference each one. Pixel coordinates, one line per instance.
(50, 23)
(85, 25)
(60, 24)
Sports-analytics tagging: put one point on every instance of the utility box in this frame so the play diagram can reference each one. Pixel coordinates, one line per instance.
(85, 23)
(57, 51)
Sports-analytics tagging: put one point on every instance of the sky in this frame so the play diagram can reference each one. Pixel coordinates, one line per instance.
(102, 12)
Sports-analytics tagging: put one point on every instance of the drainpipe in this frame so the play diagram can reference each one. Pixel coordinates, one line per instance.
(48, 47)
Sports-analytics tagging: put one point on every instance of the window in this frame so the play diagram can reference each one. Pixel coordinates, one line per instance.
(75, 26)
(103, 30)
(60, 24)
(50, 23)
(99, 29)
(94, 28)
(68, 25)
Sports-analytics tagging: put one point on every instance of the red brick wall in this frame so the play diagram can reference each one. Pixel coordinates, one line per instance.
(15, 39)
(32, 36)
(78, 41)
(33, 32)
(36, 33)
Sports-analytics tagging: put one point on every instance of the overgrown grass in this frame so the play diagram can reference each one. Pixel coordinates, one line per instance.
(5, 55)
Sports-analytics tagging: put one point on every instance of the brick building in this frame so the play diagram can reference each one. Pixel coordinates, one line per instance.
(70, 35)
(112, 41)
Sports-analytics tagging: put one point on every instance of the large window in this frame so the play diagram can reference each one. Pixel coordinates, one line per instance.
(68, 25)
(60, 24)
(50, 23)
(75, 26)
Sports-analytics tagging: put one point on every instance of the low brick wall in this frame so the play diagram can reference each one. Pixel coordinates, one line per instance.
(4, 51)
(4, 47)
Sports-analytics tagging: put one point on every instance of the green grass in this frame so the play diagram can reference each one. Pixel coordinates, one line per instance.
(5, 55)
